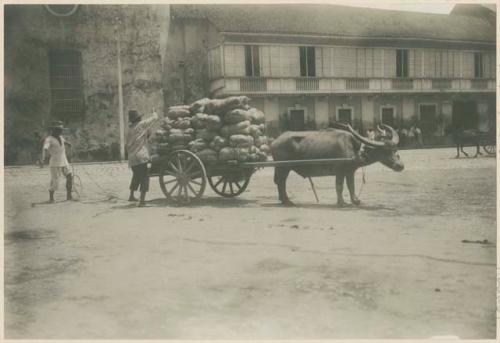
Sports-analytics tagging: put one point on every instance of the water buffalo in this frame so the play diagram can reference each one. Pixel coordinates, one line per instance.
(334, 143)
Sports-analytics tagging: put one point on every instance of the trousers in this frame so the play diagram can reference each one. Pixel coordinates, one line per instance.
(55, 175)
(140, 177)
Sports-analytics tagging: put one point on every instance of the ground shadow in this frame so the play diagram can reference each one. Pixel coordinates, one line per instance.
(218, 202)
(347, 207)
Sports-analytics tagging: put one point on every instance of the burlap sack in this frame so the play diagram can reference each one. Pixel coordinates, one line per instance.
(236, 116)
(236, 129)
(228, 154)
(175, 112)
(240, 141)
(256, 116)
(206, 134)
(218, 143)
(207, 155)
(197, 145)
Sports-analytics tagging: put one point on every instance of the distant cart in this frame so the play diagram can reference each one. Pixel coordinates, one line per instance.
(184, 176)
(488, 141)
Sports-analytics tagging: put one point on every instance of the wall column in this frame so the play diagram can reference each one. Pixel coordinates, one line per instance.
(367, 112)
(321, 111)
(272, 112)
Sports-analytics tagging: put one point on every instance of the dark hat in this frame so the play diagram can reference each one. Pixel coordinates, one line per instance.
(133, 116)
(56, 124)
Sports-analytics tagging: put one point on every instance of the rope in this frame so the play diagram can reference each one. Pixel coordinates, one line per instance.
(362, 182)
(108, 195)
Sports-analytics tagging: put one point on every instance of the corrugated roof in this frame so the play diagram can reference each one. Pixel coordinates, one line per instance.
(336, 20)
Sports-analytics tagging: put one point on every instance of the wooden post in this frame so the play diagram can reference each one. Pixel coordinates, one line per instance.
(120, 94)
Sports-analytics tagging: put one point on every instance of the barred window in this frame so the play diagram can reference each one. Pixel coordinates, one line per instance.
(402, 63)
(478, 65)
(65, 68)
(252, 60)
(307, 61)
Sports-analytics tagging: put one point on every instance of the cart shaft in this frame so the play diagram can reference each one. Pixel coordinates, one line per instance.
(323, 161)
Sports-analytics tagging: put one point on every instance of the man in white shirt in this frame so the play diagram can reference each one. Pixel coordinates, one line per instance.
(54, 145)
(138, 153)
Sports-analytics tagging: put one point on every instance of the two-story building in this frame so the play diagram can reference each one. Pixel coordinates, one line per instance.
(307, 66)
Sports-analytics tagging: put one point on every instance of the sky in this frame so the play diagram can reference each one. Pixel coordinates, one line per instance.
(444, 8)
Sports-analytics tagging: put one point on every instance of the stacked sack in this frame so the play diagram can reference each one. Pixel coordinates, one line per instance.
(215, 130)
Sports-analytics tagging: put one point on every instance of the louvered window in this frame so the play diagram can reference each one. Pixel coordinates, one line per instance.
(65, 68)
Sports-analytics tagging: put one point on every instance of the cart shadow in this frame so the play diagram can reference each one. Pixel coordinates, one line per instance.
(204, 202)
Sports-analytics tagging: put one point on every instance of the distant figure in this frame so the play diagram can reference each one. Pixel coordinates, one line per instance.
(54, 145)
(138, 153)
(416, 133)
(370, 134)
(403, 135)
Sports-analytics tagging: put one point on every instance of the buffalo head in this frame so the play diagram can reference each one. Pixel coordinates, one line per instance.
(383, 150)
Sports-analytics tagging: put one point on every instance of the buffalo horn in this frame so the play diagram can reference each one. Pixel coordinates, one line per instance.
(394, 134)
(364, 139)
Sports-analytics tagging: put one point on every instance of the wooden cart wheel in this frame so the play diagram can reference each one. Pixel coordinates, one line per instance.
(490, 148)
(183, 177)
(231, 184)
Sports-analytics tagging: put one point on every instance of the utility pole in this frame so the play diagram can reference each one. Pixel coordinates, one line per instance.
(120, 91)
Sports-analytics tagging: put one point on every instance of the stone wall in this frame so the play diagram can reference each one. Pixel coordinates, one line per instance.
(186, 62)
(31, 31)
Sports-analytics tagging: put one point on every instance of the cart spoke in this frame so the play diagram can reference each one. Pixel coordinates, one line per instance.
(180, 190)
(179, 162)
(238, 185)
(170, 181)
(224, 187)
(219, 182)
(186, 193)
(190, 166)
(191, 189)
(195, 182)
(173, 167)
(194, 175)
(231, 187)
(173, 189)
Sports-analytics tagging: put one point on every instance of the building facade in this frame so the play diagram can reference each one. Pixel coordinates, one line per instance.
(304, 66)
(311, 65)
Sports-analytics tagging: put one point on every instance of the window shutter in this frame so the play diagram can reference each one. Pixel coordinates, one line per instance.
(369, 62)
(265, 61)
(377, 62)
(319, 61)
(389, 63)
(275, 63)
(360, 62)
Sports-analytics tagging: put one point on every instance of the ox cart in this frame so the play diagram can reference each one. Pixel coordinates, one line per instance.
(475, 138)
(183, 176)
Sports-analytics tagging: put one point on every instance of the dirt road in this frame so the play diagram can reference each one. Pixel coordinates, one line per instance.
(394, 267)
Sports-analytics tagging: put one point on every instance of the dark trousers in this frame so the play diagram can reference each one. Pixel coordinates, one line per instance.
(140, 177)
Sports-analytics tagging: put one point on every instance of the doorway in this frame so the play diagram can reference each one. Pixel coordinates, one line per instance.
(465, 115)
(297, 120)
(387, 116)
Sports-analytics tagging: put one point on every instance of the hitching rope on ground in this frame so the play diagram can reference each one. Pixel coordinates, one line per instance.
(108, 194)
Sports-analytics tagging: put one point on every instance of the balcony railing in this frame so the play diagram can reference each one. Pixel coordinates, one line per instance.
(479, 84)
(402, 84)
(253, 84)
(357, 84)
(307, 84)
(441, 84)
(324, 85)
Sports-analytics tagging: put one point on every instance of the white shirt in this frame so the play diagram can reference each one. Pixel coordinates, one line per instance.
(57, 152)
(137, 141)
